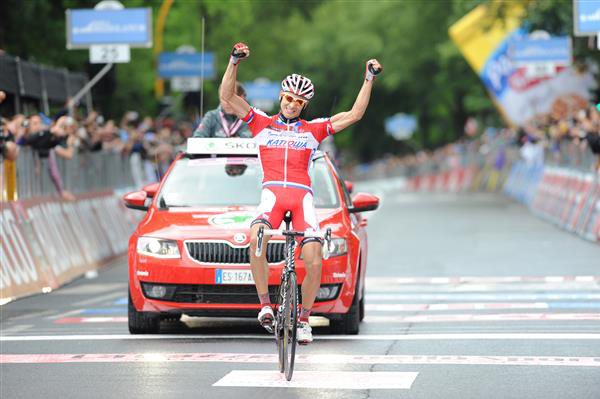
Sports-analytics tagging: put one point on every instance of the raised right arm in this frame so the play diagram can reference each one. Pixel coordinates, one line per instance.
(227, 91)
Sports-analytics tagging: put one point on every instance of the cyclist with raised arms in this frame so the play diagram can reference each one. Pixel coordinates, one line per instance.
(286, 147)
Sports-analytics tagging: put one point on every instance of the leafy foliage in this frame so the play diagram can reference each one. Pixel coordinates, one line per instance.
(327, 40)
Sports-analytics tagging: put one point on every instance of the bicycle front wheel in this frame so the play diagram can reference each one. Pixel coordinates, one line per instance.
(279, 325)
(290, 325)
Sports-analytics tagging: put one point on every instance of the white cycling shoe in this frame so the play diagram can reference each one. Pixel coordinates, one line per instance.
(266, 317)
(304, 333)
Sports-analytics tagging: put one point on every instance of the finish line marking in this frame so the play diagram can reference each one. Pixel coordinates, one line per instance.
(482, 279)
(442, 318)
(570, 361)
(424, 318)
(319, 380)
(496, 296)
(405, 307)
(366, 337)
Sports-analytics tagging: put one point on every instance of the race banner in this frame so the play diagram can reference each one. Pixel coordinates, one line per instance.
(492, 39)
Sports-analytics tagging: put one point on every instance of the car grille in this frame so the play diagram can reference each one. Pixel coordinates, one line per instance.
(226, 294)
(225, 253)
(218, 293)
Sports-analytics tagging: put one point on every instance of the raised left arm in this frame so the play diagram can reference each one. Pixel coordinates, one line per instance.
(344, 119)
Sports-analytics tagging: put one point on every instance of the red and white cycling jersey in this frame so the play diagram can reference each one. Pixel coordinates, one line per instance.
(285, 152)
(286, 149)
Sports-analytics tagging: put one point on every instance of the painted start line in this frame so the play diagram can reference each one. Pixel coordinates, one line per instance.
(425, 318)
(569, 361)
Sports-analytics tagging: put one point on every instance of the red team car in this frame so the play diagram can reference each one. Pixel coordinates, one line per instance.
(189, 254)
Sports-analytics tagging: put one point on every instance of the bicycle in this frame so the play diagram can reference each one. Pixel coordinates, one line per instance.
(286, 319)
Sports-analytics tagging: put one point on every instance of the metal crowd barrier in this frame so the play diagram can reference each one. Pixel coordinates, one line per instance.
(85, 172)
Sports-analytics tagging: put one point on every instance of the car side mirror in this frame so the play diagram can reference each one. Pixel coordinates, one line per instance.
(349, 185)
(363, 202)
(151, 189)
(136, 200)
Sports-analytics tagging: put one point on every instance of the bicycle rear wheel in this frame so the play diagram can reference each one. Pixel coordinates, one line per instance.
(290, 325)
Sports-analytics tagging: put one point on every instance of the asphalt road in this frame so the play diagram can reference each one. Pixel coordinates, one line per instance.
(468, 296)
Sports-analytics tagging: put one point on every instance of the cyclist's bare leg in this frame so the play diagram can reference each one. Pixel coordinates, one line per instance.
(311, 252)
(258, 265)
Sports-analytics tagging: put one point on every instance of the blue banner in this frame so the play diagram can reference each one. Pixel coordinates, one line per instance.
(555, 49)
(587, 17)
(132, 26)
(172, 65)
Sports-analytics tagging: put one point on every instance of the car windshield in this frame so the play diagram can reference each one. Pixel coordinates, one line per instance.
(232, 181)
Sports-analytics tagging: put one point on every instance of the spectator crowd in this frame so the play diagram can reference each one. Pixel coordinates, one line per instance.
(149, 144)
(569, 135)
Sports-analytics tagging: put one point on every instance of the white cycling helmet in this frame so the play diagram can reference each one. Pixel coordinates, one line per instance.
(299, 85)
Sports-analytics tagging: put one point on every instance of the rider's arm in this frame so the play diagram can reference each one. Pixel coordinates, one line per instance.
(227, 90)
(344, 119)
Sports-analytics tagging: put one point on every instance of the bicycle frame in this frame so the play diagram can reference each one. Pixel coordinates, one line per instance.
(286, 318)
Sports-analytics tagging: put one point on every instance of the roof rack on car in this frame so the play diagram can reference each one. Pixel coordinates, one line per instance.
(221, 146)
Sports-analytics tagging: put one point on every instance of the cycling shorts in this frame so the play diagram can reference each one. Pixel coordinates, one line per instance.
(276, 200)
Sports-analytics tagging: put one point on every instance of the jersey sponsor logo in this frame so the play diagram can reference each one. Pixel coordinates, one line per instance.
(293, 144)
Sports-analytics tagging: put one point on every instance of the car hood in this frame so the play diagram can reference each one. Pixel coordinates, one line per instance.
(216, 223)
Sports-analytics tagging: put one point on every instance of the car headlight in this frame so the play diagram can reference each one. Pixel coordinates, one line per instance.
(157, 247)
(338, 247)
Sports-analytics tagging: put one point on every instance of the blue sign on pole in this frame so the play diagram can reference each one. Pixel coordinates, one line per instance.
(555, 49)
(172, 65)
(586, 15)
(131, 26)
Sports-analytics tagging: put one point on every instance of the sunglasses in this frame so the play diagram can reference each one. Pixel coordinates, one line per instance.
(298, 101)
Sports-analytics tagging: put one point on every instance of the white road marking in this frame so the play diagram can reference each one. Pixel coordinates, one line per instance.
(420, 318)
(16, 329)
(366, 337)
(91, 289)
(373, 287)
(407, 307)
(496, 296)
(102, 298)
(513, 360)
(479, 279)
(319, 380)
(438, 318)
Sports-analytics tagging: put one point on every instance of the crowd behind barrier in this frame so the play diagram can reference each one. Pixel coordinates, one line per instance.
(552, 165)
(70, 154)
(61, 214)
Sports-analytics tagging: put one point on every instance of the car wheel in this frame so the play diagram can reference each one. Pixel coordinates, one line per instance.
(349, 322)
(361, 306)
(141, 322)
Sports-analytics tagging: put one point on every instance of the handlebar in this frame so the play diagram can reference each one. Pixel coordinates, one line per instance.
(326, 235)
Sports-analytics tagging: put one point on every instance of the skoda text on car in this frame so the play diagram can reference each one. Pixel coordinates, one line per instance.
(189, 254)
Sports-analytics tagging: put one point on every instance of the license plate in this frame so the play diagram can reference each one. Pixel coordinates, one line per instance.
(224, 276)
